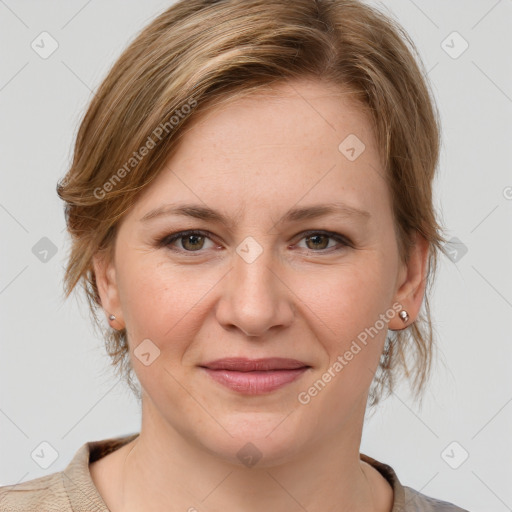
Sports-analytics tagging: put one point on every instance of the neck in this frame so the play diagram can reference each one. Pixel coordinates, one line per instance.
(167, 470)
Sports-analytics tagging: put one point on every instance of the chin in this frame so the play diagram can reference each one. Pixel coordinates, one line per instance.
(257, 440)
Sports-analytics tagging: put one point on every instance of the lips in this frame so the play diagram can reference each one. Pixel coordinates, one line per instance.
(250, 365)
(255, 376)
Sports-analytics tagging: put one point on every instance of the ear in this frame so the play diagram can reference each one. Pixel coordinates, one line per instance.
(411, 283)
(105, 273)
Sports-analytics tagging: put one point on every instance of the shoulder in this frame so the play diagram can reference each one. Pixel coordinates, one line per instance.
(44, 493)
(417, 502)
(406, 499)
(69, 490)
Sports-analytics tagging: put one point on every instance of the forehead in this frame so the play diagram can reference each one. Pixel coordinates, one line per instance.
(297, 142)
(307, 111)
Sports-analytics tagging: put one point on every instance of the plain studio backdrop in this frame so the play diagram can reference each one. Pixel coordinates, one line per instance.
(56, 386)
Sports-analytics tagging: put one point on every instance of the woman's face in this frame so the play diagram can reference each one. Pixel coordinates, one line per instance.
(280, 278)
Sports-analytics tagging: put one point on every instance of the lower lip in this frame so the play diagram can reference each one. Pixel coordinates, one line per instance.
(257, 382)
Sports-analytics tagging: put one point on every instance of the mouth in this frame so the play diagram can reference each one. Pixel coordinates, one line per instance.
(255, 376)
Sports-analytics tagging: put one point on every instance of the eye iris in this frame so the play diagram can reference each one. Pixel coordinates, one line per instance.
(187, 239)
(316, 246)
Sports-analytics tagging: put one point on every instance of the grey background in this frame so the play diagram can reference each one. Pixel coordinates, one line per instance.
(55, 381)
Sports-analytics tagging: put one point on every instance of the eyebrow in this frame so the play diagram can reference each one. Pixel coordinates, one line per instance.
(293, 215)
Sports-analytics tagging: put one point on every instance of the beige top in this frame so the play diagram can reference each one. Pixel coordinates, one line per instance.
(73, 490)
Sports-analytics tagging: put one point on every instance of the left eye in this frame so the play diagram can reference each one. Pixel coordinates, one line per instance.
(194, 240)
(320, 240)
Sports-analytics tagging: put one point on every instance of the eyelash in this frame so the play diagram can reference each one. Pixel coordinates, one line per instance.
(167, 240)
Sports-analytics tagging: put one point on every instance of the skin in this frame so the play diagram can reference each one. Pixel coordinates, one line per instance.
(253, 160)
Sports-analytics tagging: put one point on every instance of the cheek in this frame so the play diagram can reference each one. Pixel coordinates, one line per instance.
(162, 302)
(345, 306)
(348, 298)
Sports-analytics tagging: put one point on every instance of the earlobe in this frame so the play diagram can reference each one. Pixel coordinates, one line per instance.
(105, 275)
(412, 284)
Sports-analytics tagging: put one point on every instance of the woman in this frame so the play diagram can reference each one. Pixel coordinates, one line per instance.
(250, 204)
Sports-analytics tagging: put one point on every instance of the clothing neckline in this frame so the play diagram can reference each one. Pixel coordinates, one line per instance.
(78, 482)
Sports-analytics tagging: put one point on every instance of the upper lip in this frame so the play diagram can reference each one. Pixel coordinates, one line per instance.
(247, 365)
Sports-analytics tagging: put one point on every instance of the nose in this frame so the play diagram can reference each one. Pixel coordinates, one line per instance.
(255, 297)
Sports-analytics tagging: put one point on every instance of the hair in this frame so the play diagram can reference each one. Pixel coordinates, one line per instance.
(199, 53)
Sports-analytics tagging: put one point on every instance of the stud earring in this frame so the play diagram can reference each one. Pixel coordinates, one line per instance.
(112, 317)
(404, 316)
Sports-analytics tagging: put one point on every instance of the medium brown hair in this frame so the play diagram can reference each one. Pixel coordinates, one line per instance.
(200, 52)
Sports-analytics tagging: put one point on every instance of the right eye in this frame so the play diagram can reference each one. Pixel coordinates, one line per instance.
(190, 241)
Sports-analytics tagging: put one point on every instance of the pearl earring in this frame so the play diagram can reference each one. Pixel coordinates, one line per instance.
(112, 317)
(404, 316)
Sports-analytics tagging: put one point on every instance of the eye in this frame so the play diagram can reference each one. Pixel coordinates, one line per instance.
(318, 241)
(190, 241)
